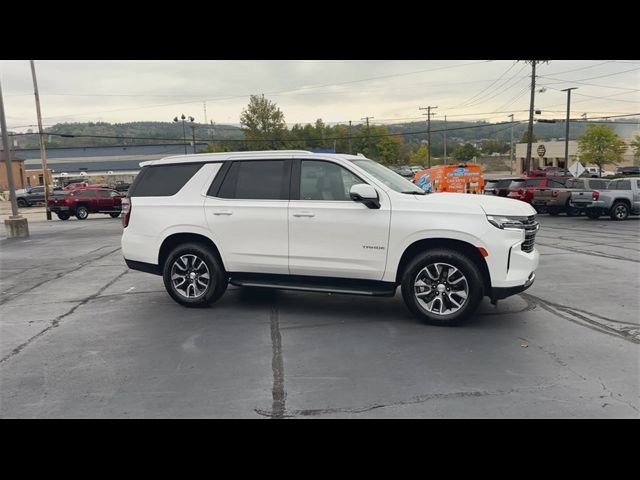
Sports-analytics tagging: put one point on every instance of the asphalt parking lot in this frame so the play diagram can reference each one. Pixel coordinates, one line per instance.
(81, 336)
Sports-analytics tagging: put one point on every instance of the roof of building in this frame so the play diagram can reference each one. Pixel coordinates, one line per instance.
(14, 158)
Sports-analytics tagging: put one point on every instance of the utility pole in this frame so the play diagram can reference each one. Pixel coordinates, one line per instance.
(566, 140)
(368, 137)
(527, 162)
(349, 137)
(43, 151)
(204, 104)
(16, 225)
(511, 148)
(428, 109)
(445, 140)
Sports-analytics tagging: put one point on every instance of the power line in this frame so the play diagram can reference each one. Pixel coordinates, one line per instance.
(486, 88)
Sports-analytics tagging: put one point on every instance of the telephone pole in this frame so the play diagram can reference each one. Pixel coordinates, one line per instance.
(368, 137)
(566, 140)
(527, 161)
(349, 137)
(511, 148)
(428, 114)
(445, 140)
(43, 150)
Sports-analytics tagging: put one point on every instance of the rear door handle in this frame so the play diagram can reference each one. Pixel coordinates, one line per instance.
(304, 214)
(223, 212)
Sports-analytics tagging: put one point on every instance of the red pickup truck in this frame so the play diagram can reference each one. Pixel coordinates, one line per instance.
(523, 189)
(81, 202)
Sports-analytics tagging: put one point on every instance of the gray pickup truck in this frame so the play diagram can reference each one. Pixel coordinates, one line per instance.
(620, 199)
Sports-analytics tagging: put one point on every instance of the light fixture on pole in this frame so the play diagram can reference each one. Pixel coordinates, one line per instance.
(184, 131)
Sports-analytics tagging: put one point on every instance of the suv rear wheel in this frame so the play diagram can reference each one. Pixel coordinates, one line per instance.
(193, 276)
(64, 215)
(442, 287)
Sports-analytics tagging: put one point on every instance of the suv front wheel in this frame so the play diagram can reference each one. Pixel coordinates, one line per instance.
(442, 287)
(193, 276)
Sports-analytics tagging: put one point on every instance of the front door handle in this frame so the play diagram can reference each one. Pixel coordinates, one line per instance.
(223, 212)
(304, 214)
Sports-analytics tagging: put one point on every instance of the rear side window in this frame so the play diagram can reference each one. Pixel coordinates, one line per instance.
(104, 193)
(163, 180)
(598, 184)
(257, 180)
(554, 184)
(533, 183)
(624, 185)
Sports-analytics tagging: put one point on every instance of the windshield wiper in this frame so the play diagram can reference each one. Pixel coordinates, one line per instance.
(414, 192)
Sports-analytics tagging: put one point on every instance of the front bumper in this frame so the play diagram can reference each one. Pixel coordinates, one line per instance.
(500, 293)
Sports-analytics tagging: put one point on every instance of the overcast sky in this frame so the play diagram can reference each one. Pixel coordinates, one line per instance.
(336, 91)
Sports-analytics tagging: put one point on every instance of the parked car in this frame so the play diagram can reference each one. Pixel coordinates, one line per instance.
(498, 186)
(121, 186)
(522, 189)
(323, 222)
(620, 199)
(32, 195)
(632, 170)
(406, 172)
(81, 202)
(555, 200)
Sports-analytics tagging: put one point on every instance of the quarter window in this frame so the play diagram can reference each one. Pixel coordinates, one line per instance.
(326, 181)
(163, 180)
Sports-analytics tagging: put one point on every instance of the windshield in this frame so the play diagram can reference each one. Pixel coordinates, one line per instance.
(388, 177)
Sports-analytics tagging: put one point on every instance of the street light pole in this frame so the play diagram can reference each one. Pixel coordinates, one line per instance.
(16, 225)
(566, 140)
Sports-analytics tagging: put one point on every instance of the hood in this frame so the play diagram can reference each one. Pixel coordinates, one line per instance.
(491, 204)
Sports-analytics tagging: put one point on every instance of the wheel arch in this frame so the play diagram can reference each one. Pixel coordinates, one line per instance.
(172, 241)
(462, 246)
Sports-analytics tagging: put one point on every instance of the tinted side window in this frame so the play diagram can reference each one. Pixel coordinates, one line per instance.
(554, 184)
(85, 193)
(104, 193)
(624, 184)
(598, 184)
(257, 180)
(163, 180)
(325, 181)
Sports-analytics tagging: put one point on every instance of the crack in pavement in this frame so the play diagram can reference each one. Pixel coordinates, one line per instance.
(277, 365)
(572, 315)
(413, 401)
(589, 252)
(58, 275)
(56, 321)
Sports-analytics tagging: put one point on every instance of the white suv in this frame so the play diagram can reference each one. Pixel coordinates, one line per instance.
(326, 223)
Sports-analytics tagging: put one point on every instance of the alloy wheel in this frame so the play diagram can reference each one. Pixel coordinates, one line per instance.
(441, 288)
(190, 276)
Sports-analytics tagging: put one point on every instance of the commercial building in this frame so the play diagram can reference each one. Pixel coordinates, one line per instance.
(105, 164)
(551, 154)
(17, 168)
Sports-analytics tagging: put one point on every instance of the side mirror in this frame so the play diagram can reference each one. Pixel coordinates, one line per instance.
(366, 194)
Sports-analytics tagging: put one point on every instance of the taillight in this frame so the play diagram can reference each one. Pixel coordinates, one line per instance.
(595, 196)
(126, 211)
(554, 193)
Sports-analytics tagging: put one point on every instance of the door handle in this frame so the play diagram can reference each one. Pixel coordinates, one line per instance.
(304, 214)
(223, 212)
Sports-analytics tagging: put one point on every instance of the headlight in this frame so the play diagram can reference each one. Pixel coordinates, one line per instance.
(507, 221)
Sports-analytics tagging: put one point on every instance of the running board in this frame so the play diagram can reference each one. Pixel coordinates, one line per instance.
(315, 284)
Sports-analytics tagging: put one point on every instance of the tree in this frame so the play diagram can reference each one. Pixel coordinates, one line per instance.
(600, 145)
(635, 145)
(419, 156)
(465, 153)
(389, 149)
(525, 137)
(263, 120)
(494, 146)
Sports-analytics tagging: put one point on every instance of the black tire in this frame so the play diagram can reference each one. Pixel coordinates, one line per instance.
(571, 211)
(552, 211)
(64, 215)
(455, 259)
(82, 213)
(217, 275)
(619, 211)
(593, 213)
(22, 203)
(114, 214)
